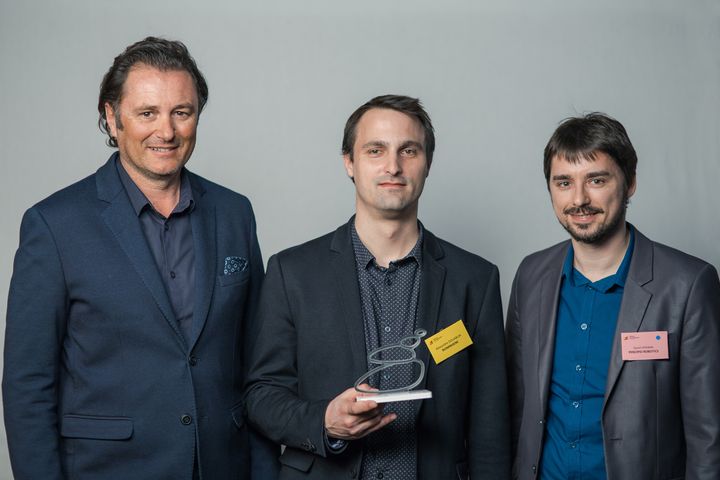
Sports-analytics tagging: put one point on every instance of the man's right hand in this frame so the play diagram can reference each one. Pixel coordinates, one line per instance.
(348, 419)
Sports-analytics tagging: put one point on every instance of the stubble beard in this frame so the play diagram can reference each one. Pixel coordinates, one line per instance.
(603, 231)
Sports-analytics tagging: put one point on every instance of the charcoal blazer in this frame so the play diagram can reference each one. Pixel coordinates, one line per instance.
(311, 348)
(99, 381)
(660, 418)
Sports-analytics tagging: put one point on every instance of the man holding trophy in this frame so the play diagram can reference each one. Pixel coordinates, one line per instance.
(379, 307)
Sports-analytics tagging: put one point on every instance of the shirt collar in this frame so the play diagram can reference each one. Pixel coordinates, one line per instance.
(577, 279)
(139, 201)
(364, 258)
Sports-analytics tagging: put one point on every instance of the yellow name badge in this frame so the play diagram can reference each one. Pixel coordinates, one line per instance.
(448, 341)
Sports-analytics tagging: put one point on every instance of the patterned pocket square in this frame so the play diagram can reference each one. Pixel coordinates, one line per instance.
(234, 265)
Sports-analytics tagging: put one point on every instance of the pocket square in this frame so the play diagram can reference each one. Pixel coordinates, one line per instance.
(234, 265)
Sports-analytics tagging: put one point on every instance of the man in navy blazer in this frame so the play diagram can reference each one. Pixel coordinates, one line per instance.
(132, 300)
(613, 340)
(371, 283)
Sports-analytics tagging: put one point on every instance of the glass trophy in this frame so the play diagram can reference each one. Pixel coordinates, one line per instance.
(403, 353)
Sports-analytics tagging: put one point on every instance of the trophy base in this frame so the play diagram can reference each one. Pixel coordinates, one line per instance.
(396, 396)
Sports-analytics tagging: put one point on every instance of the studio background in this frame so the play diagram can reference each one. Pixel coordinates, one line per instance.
(496, 77)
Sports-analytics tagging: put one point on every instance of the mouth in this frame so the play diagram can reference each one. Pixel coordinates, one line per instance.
(163, 149)
(583, 218)
(391, 184)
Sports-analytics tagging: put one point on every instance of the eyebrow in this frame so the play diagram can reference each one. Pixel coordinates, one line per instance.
(411, 143)
(188, 106)
(375, 143)
(600, 173)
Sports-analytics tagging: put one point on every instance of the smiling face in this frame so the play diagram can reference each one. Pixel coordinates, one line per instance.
(156, 122)
(388, 164)
(589, 197)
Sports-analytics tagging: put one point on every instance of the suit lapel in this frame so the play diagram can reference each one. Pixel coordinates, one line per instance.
(431, 287)
(547, 321)
(122, 220)
(344, 271)
(634, 304)
(203, 224)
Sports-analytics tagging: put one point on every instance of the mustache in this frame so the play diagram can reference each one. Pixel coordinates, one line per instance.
(584, 210)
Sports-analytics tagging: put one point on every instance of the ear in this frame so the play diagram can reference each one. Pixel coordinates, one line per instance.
(631, 188)
(347, 161)
(110, 118)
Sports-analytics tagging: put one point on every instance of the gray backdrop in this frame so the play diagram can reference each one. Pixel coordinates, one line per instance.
(496, 76)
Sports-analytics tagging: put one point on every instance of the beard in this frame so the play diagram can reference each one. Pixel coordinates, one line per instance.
(603, 231)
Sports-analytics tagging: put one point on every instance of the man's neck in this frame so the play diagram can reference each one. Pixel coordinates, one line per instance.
(596, 262)
(163, 193)
(387, 239)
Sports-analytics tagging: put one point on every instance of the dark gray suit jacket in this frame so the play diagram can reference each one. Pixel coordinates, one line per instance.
(311, 348)
(99, 382)
(660, 418)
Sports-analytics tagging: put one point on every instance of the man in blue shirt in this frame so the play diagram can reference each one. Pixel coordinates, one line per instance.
(611, 338)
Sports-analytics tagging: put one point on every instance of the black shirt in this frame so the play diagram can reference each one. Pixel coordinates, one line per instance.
(171, 243)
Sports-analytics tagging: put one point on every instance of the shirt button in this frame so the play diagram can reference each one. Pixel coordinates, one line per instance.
(172, 274)
(576, 404)
(583, 326)
(379, 475)
(386, 376)
(387, 329)
(167, 227)
(192, 360)
(388, 281)
(573, 445)
(186, 419)
(578, 368)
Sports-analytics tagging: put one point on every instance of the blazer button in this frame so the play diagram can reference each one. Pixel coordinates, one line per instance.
(534, 469)
(186, 419)
(192, 360)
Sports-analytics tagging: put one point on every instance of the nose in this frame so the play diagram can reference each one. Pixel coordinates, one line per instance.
(580, 196)
(393, 166)
(165, 128)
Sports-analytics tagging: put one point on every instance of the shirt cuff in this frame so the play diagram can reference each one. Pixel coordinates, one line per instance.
(335, 445)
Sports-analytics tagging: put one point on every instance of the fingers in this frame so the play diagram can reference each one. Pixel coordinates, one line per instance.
(349, 419)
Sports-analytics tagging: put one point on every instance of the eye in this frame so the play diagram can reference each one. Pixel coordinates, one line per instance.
(409, 152)
(373, 151)
(597, 181)
(146, 114)
(182, 113)
(562, 184)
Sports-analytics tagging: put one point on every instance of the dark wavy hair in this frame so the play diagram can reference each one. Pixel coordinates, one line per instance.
(582, 137)
(164, 55)
(407, 105)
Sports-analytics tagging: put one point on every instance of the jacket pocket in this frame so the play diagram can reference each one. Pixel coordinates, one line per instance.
(297, 459)
(96, 427)
(233, 279)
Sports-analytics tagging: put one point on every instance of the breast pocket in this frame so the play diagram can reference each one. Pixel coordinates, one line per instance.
(233, 279)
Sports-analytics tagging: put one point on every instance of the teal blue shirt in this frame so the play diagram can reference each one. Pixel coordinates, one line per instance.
(586, 319)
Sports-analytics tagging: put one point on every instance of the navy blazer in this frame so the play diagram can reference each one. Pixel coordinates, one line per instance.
(98, 380)
(311, 348)
(660, 418)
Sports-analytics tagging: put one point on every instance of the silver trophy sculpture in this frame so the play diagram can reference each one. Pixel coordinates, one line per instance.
(406, 345)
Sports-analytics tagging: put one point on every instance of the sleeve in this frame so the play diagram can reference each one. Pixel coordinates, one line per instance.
(35, 327)
(513, 348)
(263, 453)
(272, 400)
(489, 442)
(700, 377)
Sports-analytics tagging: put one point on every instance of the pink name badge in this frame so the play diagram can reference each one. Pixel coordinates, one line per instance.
(644, 345)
